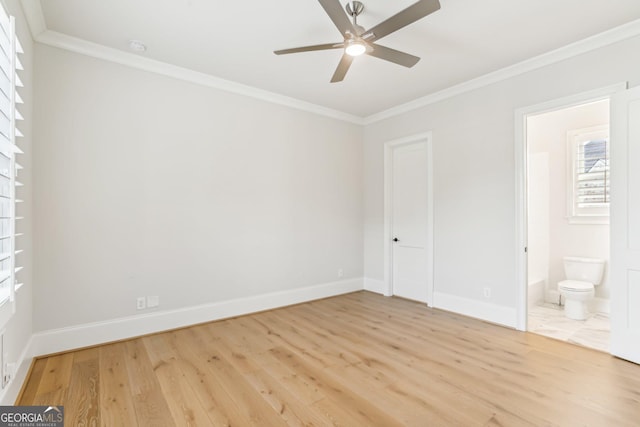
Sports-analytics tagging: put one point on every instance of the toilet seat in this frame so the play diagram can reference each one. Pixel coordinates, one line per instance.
(575, 286)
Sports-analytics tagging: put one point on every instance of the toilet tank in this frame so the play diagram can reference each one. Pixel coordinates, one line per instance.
(585, 269)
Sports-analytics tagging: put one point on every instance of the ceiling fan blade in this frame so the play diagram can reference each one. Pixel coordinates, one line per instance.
(401, 19)
(339, 17)
(310, 48)
(342, 69)
(393, 55)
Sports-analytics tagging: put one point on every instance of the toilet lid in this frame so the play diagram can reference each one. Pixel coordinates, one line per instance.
(576, 285)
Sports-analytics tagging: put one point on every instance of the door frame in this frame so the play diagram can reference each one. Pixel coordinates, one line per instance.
(521, 159)
(388, 198)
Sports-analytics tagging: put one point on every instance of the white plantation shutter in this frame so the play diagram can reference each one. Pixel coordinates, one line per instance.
(592, 170)
(9, 148)
(588, 168)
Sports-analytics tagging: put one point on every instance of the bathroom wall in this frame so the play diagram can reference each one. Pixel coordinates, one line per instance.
(547, 135)
(538, 214)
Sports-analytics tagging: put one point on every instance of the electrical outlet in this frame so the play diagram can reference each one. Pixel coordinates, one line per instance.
(8, 369)
(340, 272)
(141, 303)
(487, 293)
(153, 301)
(3, 357)
(9, 372)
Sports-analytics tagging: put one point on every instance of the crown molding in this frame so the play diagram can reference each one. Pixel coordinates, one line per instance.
(74, 44)
(597, 41)
(35, 17)
(37, 24)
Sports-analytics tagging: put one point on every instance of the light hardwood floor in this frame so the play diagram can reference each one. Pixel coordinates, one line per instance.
(353, 360)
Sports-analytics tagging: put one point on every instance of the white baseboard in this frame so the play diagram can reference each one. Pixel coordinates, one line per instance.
(375, 285)
(493, 313)
(64, 339)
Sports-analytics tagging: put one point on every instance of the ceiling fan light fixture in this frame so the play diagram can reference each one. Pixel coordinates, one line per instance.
(355, 48)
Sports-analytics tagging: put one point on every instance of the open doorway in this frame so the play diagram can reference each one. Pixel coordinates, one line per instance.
(568, 223)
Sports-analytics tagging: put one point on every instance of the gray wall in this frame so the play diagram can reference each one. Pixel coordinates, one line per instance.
(147, 185)
(474, 170)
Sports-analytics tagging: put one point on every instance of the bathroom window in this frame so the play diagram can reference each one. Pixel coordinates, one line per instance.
(588, 192)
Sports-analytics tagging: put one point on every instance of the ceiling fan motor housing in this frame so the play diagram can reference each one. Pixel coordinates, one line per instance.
(354, 8)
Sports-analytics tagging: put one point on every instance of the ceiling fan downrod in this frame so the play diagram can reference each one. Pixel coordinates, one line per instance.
(354, 8)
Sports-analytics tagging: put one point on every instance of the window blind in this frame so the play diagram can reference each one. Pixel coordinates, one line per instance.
(588, 182)
(592, 169)
(10, 50)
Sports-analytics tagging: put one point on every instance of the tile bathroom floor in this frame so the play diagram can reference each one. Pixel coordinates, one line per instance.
(549, 320)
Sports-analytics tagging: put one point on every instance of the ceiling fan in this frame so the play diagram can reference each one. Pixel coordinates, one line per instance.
(357, 40)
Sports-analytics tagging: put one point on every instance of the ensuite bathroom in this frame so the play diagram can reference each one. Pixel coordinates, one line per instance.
(568, 224)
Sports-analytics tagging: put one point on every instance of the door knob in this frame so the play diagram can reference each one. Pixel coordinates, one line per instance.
(395, 239)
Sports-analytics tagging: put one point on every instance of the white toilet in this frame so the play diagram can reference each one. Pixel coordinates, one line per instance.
(578, 289)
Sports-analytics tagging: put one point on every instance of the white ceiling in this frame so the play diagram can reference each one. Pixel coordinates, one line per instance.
(234, 40)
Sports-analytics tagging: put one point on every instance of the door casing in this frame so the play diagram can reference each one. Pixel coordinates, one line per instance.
(625, 234)
(521, 207)
(388, 197)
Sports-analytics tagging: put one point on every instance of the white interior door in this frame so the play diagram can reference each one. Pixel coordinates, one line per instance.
(625, 225)
(409, 221)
